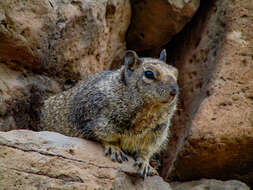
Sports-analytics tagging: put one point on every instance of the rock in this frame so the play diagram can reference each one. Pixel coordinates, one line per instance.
(210, 184)
(47, 160)
(65, 38)
(154, 24)
(21, 93)
(48, 45)
(216, 77)
(124, 182)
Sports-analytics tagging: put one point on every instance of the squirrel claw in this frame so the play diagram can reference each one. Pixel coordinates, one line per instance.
(137, 163)
(116, 153)
(113, 156)
(125, 158)
(107, 150)
(145, 169)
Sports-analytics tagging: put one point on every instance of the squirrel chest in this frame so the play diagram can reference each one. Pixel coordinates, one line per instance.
(149, 127)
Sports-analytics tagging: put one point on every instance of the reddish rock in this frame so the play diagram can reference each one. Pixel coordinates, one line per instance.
(155, 23)
(65, 39)
(46, 160)
(216, 80)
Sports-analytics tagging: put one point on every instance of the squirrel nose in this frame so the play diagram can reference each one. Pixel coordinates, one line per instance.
(174, 89)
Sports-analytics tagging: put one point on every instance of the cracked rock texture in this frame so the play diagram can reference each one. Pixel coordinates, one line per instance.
(47, 160)
(47, 45)
(155, 23)
(210, 184)
(215, 59)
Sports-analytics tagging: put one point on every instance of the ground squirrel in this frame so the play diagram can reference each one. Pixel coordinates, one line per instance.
(127, 110)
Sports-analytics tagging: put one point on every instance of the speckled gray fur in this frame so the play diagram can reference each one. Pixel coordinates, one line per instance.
(124, 109)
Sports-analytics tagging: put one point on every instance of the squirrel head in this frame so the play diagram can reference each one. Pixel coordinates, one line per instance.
(155, 81)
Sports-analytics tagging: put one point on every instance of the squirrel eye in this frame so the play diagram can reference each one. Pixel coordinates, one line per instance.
(149, 75)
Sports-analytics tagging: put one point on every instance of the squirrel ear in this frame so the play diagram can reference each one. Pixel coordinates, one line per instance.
(163, 55)
(132, 60)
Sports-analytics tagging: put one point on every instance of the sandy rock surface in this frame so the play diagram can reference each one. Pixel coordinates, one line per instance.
(216, 80)
(47, 160)
(155, 23)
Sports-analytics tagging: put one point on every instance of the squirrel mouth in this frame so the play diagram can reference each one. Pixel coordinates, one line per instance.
(169, 100)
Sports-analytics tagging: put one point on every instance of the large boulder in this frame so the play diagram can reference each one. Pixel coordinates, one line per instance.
(47, 160)
(216, 80)
(65, 38)
(154, 23)
(47, 45)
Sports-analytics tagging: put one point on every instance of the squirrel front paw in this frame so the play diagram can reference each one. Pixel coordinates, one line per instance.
(144, 168)
(116, 153)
